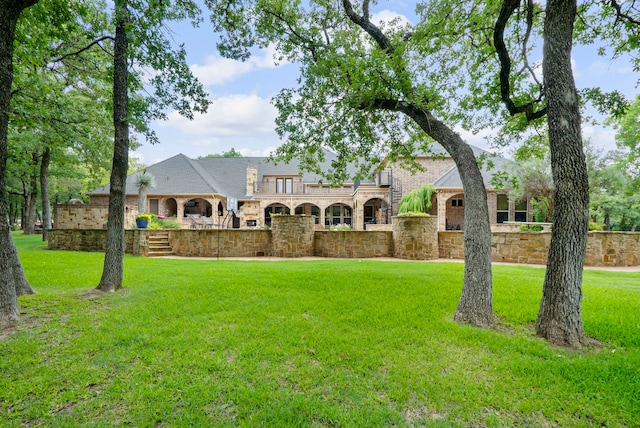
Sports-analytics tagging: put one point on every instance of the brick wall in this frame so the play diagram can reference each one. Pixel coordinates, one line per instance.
(434, 169)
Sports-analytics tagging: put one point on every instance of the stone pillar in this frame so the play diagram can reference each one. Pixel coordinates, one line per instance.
(415, 237)
(252, 178)
(292, 236)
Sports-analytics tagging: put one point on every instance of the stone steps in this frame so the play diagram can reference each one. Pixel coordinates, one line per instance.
(159, 244)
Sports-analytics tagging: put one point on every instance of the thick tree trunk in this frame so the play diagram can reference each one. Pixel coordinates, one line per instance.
(9, 12)
(13, 213)
(29, 222)
(475, 305)
(22, 286)
(560, 316)
(44, 193)
(113, 270)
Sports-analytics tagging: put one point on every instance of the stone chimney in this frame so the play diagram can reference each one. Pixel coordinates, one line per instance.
(252, 178)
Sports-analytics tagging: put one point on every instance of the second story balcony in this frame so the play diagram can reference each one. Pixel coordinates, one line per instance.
(299, 188)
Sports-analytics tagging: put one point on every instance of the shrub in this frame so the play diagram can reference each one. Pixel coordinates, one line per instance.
(531, 228)
(339, 227)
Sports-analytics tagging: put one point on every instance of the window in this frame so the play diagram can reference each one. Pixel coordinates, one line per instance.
(251, 223)
(457, 202)
(338, 214)
(521, 210)
(284, 185)
(502, 209)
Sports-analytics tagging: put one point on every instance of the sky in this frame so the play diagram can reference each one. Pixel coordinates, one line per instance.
(242, 117)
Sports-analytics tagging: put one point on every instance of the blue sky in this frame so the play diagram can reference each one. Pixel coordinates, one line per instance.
(241, 115)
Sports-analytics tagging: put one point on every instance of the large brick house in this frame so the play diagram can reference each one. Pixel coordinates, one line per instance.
(243, 192)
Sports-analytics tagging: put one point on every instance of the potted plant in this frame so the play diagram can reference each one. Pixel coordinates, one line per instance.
(142, 221)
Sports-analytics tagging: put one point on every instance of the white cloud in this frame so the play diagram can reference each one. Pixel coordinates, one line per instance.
(268, 58)
(228, 116)
(387, 16)
(257, 152)
(217, 70)
(600, 137)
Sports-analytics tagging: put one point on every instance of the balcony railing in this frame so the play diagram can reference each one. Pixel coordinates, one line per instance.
(302, 189)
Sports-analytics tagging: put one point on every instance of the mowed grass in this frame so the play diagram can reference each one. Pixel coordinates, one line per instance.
(307, 343)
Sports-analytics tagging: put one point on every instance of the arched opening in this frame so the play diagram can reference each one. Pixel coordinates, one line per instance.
(372, 211)
(274, 209)
(198, 207)
(170, 208)
(455, 212)
(309, 209)
(337, 214)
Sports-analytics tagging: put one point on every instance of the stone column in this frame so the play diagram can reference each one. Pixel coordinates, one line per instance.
(292, 236)
(415, 237)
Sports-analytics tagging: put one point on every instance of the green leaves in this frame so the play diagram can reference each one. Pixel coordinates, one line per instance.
(417, 201)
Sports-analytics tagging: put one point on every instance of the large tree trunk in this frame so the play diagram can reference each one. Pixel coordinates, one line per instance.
(475, 305)
(44, 193)
(31, 198)
(9, 12)
(22, 286)
(560, 316)
(113, 270)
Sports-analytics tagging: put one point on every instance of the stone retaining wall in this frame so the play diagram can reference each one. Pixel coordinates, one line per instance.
(353, 244)
(451, 244)
(87, 240)
(223, 243)
(86, 217)
(613, 249)
(603, 248)
(292, 236)
(610, 249)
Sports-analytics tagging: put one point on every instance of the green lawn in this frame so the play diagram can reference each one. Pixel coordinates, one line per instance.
(306, 343)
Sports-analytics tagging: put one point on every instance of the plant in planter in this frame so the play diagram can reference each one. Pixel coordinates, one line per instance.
(142, 221)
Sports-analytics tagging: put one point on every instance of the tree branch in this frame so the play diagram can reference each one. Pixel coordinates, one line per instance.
(78, 52)
(623, 15)
(364, 23)
(507, 9)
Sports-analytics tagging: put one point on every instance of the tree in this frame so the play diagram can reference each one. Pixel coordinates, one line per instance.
(417, 201)
(143, 181)
(113, 269)
(58, 99)
(10, 266)
(233, 153)
(140, 37)
(367, 92)
(613, 194)
(560, 316)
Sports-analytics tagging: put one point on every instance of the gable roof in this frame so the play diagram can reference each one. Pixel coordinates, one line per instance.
(490, 165)
(227, 176)
(176, 175)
